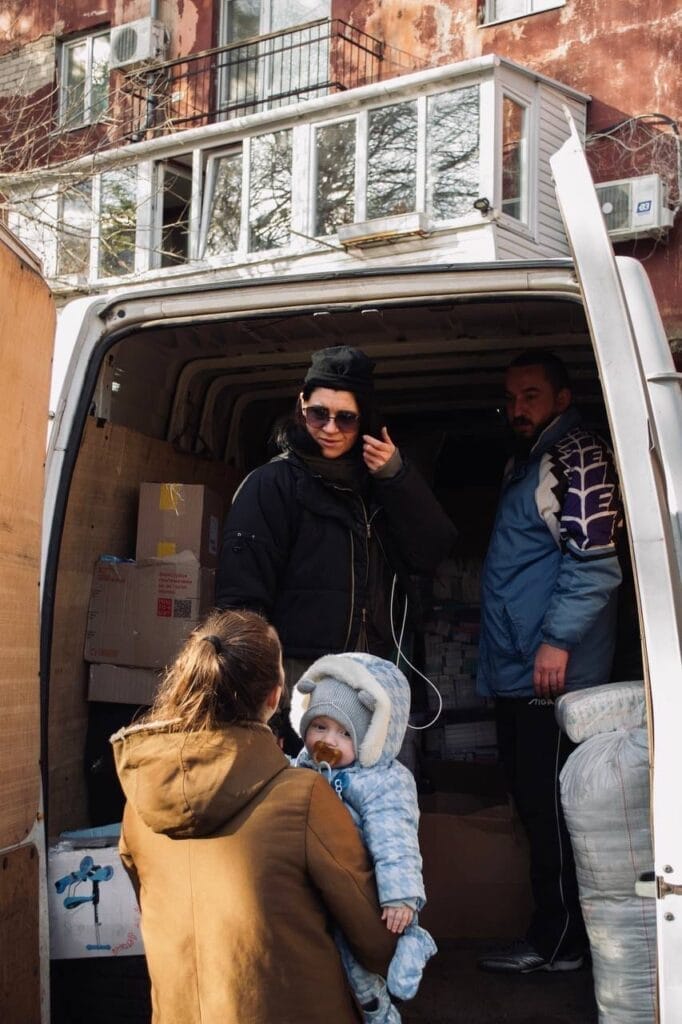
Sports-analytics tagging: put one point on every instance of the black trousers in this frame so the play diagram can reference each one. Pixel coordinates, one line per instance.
(533, 750)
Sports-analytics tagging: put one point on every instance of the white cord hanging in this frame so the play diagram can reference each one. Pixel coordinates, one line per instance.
(399, 643)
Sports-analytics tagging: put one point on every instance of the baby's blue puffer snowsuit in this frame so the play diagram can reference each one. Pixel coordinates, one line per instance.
(381, 795)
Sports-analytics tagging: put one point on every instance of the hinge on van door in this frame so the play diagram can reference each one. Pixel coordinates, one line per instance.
(102, 397)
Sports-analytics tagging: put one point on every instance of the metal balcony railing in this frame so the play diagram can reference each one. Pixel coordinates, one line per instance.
(315, 59)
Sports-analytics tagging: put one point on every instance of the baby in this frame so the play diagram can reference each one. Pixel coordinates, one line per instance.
(351, 711)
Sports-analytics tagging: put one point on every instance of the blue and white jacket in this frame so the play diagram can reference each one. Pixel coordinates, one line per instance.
(381, 795)
(379, 792)
(551, 573)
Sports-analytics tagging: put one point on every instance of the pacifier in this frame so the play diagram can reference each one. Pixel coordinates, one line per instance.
(323, 753)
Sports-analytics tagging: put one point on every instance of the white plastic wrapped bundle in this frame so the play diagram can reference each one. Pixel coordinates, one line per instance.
(584, 713)
(605, 796)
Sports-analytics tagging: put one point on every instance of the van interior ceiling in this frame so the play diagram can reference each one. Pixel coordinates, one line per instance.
(197, 403)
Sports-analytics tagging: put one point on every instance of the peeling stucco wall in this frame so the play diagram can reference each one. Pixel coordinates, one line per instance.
(626, 54)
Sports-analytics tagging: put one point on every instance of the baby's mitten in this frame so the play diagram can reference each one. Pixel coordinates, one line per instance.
(414, 949)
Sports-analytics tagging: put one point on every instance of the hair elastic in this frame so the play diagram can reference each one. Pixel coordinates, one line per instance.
(216, 641)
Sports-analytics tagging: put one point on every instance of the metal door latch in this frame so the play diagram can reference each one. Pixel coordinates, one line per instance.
(655, 886)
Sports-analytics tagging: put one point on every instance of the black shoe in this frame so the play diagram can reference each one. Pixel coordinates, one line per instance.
(521, 958)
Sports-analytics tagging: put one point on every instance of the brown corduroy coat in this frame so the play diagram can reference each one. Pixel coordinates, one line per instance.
(243, 867)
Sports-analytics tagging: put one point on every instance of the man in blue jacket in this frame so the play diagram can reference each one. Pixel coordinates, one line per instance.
(549, 592)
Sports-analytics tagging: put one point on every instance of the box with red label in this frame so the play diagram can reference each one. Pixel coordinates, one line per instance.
(178, 517)
(140, 613)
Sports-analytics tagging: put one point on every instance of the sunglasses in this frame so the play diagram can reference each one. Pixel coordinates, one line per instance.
(318, 415)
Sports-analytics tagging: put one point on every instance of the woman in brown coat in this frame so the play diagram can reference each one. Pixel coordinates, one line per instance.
(243, 866)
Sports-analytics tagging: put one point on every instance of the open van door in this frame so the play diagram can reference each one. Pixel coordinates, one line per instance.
(27, 319)
(644, 406)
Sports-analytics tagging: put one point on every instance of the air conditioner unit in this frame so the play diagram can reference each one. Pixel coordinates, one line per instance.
(137, 42)
(635, 207)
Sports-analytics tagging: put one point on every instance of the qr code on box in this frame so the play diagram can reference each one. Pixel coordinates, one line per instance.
(164, 607)
(182, 610)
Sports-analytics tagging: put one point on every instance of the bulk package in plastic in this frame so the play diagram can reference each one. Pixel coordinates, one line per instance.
(605, 796)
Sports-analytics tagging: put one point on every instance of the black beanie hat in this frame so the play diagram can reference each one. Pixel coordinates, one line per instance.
(341, 368)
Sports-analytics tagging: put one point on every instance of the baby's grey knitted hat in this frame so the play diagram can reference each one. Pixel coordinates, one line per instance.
(335, 699)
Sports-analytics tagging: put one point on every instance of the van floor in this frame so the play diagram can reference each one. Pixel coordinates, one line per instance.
(453, 991)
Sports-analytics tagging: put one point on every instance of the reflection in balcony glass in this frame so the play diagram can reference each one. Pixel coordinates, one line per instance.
(73, 240)
(223, 231)
(392, 160)
(270, 191)
(99, 100)
(513, 142)
(452, 173)
(117, 222)
(335, 185)
(74, 77)
(239, 67)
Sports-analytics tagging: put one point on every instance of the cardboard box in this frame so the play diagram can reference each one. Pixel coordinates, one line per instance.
(140, 613)
(119, 684)
(178, 517)
(476, 870)
(92, 907)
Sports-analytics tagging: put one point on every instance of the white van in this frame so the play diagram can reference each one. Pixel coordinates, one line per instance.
(187, 384)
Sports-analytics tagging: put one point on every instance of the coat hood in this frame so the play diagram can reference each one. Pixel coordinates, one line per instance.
(380, 678)
(189, 784)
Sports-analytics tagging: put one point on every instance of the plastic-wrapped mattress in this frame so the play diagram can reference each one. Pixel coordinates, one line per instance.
(605, 796)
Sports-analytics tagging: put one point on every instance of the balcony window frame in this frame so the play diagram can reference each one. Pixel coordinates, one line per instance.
(264, 66)
(527, 222)
(75, 276)
(89, 115)
(160, 170)
(526, 8)
(210, 169)
(312, 189)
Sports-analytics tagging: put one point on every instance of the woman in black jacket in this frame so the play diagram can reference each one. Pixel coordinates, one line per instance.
(322, 537)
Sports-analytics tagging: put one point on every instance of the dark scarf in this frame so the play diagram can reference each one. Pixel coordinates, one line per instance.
(348, 471)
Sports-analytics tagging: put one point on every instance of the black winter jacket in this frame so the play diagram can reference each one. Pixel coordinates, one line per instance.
(299, 549)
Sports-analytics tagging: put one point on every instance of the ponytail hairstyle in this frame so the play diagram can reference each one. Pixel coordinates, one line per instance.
(225, 671)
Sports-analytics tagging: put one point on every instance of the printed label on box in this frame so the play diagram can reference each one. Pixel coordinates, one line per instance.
(92, 905)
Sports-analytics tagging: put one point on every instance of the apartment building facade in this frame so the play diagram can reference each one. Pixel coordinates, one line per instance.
(168, 139)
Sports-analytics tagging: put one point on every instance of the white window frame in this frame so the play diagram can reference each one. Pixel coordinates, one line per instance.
(142, 223)
(525, 8)
(159, 171)
(87, 112)
(75, 277)
(313, 164)
(210, 174)
(526, 223)
(264, 65)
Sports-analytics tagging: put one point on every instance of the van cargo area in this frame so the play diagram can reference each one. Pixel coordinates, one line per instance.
(190, 391)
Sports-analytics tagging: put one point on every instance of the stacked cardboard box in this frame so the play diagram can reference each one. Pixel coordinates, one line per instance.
(465, 730)
(141, 611)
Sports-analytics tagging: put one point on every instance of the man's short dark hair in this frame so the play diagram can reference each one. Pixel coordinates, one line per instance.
(555, 368)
